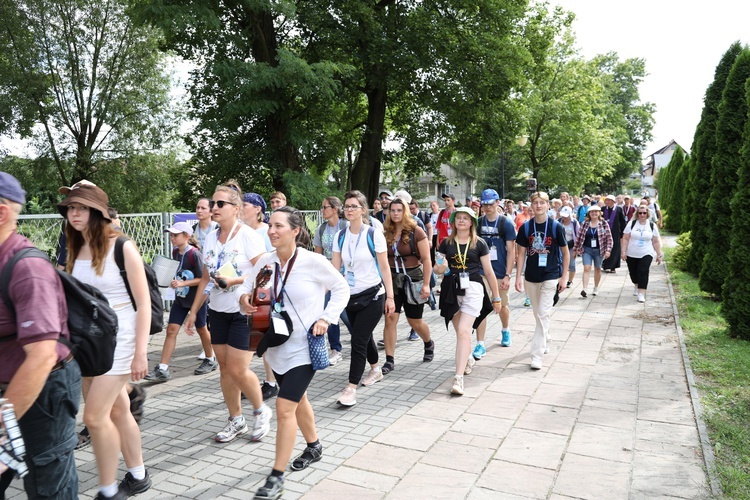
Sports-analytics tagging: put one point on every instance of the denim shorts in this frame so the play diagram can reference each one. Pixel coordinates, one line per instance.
(592, 255)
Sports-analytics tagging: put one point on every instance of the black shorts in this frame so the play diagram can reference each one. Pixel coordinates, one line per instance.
(178, 313)
(412, 311)
(230, 329)
(294, 383)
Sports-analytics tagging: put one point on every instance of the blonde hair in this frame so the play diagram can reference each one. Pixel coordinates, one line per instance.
(235, 196)
(472, 231)
(539, 194)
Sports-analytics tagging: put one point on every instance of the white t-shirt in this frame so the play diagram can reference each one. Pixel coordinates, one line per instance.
(244, 245)
(263, 232)
(360, 269)
(641, 240)
(311, 276)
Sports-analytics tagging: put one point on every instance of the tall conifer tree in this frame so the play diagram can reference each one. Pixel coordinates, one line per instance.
(725, 166)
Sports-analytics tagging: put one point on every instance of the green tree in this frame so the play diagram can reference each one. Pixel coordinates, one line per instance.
(675, 191)
(625, 114)
(93, 81)
(736, 289)
(724, 168)
(702, 152)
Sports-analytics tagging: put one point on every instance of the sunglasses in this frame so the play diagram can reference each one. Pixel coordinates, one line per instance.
(220, 204)
(642, 213)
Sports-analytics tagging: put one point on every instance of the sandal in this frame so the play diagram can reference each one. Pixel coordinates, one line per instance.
(309, 456)
(387, 367)
(429, 352)
(84, 439)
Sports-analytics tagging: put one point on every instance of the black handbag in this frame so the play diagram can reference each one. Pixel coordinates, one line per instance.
(360, 300)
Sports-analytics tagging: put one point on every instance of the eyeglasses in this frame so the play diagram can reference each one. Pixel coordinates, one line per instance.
(349, 208)
(219, 204)
(325, 207)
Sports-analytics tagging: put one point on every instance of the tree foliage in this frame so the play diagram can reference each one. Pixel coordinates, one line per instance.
(736, 289)
(92, 81)
(672, 189)
(702, 152)
(725, 165)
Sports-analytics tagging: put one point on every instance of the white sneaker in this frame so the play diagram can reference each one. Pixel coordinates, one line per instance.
(234, 427)
(635, 291)
(458, 385)
(536, 363)
(334, 357)
(469, 365)
(374, 375)
(596, 290)
(641, 298)
(348, 397)
(262, 424)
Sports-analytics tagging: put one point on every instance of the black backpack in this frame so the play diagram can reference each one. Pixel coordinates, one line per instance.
(632, 224)
(157, 304)
(91, 321)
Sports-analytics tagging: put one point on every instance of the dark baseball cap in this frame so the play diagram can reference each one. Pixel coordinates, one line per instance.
(11, 189)
(449, 195)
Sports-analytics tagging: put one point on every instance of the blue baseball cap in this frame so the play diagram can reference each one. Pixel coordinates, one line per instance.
(11, 189)
(489, 196)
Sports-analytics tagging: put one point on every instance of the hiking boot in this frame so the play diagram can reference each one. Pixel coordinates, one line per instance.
(207, 366)
(132, 486)
(506, 341)
(269, 390)
(158, 376)
(311, 455)
(348, 397)
(374, 375)
(262, 424)
(272, 490)
(479, 352)
(458, 385)
(235, 427)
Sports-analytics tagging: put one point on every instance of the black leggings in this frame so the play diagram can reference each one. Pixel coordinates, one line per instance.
(638, 269)
(294, 383)
(363, 346)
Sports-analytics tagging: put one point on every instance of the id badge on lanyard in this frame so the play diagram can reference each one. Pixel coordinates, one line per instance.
(463, 280)
(493, 253)
(542, 260)
(279, 325)
(350, 278)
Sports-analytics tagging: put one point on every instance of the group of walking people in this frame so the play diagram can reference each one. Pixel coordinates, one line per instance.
(370, 267)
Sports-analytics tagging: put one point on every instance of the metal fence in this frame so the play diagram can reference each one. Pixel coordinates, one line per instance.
(146, 231)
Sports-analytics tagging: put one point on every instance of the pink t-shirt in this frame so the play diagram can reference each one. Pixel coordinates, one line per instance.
(41, 311)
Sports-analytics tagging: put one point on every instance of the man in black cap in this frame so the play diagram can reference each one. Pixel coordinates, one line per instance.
(385, 200)
(38, 374)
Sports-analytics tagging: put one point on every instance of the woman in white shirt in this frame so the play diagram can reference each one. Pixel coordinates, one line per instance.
(297, 280)
(641, 243)
(228, 255)
(361, 252)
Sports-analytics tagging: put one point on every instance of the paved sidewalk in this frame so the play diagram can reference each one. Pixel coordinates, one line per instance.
(609, 416)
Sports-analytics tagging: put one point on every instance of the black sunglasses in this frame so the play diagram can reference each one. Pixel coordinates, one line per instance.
(219, 204)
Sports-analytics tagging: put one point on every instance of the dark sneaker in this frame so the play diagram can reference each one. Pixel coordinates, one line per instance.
(120, 495)
(309, 456)
(272, 490)
(207, 366)
(269, 390)
(381, 344)
(132, 486)
(137, 399)
(84, 439)
(157, 375)
(413, 335)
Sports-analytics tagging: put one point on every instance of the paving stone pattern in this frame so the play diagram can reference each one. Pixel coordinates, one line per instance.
(608, 416)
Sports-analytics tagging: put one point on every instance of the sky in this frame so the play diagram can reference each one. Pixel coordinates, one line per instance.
(682, 42)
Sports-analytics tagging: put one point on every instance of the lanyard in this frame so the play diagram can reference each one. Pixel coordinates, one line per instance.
(462, 259)
(397, 255)
(277, 278)
(182, 259)
(351, 254)
(489, 239)
(593, 231)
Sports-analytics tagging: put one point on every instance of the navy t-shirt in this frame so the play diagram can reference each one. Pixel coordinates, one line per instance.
(547, 237)
(490, 233)
(191, 260)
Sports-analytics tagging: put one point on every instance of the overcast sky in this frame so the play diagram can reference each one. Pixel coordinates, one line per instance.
(682, 42)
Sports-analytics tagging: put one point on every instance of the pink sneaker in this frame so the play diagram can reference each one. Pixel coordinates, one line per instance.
(348, 397)
(374, 375)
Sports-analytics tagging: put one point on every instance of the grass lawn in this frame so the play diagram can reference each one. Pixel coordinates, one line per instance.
(722, 370)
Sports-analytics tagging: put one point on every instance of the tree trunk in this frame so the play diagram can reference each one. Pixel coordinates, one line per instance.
(365, 175)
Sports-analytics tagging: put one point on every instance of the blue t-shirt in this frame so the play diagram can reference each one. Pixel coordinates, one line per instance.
(547, 237)
(490, 233)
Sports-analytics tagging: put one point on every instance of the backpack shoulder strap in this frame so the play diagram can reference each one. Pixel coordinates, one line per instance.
(371, 246)
(342, 235)
(120, 261)
(632, 224)
(7, 272)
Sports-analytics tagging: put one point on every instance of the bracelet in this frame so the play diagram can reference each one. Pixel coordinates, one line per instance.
(387, 297)
(496, 300)
(506, 276)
